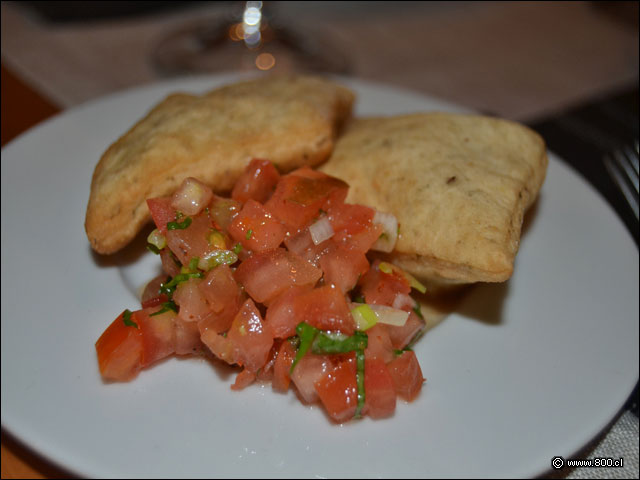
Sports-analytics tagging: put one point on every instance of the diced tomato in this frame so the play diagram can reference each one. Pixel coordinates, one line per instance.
(158, 334)
(380, 393)
(151, 295)
(193, 304)
(248, 341)
(300, 195)
(192, 241)
(256, 229)
(406, 374)
(220, 288)
(326, 309)
(170, 264)
(302, 245)
(281, 314)
(361, 241)
(350, 218)
(284, 360)
(379, 344)
(338, 391)
(266, 275)
(187, 338)
(401, 336)
(257, 182)
(308, 371)
(381, 288)
(161, 212)
(223, 210)
(119, 351)
(244, 379)
(343, 267)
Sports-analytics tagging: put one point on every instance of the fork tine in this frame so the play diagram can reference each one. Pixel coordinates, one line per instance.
(629, 163)
(619, 173)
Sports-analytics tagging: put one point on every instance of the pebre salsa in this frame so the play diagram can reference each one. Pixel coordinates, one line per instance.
(276, 281)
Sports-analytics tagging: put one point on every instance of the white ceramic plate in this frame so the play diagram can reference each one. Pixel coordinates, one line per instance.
(526, 370)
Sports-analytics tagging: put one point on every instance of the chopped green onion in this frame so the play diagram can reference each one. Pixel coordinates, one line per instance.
(249, 233)
(237, 248)
(179, 225)
(418, 310)
(329, 343)
(126, 317)
(306, 334)
(169, 287)
(216, 258)
(193, 264)
(364, 317)
(166, 306)
(157, 240)
(360, 382)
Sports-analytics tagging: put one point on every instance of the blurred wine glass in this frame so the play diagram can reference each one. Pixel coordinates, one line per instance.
(247, 39)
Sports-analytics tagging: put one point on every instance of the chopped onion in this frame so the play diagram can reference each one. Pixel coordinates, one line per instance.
(191, 197)
(402, 300)
(383, 313)
(156, 239)
(390, 315)
(321, 230)
(387, 240)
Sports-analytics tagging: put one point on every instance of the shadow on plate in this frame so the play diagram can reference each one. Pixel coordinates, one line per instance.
(128, 255)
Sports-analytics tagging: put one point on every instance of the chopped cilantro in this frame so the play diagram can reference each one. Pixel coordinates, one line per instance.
(249, 233)
(166, 306)
(179, 225)
(126, 318)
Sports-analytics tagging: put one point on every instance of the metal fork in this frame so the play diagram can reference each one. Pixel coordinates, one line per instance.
(622, 165)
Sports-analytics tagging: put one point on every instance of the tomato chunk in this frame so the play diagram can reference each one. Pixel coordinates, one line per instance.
(284, 360)
(248, 341)
(192, 241)
(256, 229)
(402, 336)
(300, 195)
(282, 316)
(380, 393)
(158, 334)
(266, 275)
(406, 374)
(343, 266)
(119, 351)
(338, 391)
(381, 288)
(161, 212)
(257, 182)
(326, 309)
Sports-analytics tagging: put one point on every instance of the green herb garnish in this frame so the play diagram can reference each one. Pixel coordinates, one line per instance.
(418, 310)
(249, 233)
(153, 249)
(166, 306)
(360, 382)
(126, 318)
(179, 225)
(237, 248)
(169, 287)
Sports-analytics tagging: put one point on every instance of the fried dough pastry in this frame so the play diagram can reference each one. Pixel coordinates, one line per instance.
(290, 120)
(458, 185)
